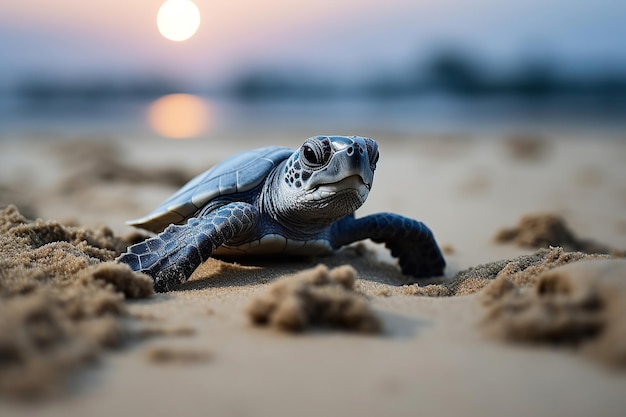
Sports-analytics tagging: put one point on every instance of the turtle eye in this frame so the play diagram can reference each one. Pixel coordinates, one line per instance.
(312, 155)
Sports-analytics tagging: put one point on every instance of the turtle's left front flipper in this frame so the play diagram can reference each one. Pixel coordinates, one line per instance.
(410, 241)
(171, 257)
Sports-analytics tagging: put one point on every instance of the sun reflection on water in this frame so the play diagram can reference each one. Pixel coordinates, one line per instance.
(179, 116)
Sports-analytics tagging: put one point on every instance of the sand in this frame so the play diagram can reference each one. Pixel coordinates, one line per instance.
(62, 300)
(580, 305)
(544, 230)
(313, 298)
(515, 327)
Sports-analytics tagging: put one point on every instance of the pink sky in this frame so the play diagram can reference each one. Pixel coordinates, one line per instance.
(342, 38)
(123, 33)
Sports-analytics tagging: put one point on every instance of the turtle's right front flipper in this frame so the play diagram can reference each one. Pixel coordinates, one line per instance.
(171, 257)
(410, 241)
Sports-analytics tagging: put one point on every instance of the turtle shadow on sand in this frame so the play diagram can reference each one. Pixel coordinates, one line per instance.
(257, 270)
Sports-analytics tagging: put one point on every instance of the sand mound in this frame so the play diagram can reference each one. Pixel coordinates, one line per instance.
(101, 162)
(61, 301)
(522, 270)
(173, 355)
(544, 230)
(580, 305)
(315, 297)
(526, 147)
(14, 195)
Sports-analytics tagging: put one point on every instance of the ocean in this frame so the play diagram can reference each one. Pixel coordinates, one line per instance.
(219, 115)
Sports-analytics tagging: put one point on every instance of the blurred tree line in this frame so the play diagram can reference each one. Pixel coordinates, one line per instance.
(450, 72)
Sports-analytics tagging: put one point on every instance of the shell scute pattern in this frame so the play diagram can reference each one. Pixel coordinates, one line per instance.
(238, 173)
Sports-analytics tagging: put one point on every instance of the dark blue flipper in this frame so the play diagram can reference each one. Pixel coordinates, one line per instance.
(410, 241)
(171, 257)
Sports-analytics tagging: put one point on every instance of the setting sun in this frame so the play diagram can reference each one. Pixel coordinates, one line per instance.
(178, 20)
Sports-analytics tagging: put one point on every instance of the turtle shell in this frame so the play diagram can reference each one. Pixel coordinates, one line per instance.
(241, 172)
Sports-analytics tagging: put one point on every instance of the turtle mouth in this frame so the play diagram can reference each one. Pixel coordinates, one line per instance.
(351, 184)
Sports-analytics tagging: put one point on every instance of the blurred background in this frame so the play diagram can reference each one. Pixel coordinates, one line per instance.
(76, 68)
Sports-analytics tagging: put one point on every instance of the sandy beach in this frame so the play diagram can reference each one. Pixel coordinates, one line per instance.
(535, 331)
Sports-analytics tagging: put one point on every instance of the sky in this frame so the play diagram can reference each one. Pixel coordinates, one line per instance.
(347, 39)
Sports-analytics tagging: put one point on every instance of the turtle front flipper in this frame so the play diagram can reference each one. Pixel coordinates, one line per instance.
(171, 257)
(410, 241)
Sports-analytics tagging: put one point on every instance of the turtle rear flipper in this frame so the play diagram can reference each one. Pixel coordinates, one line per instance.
(410, 241)
(171, 257)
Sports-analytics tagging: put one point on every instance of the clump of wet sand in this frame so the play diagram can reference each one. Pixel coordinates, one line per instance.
(62, 300)
(544, 230)
(312, 298)
(581, 305)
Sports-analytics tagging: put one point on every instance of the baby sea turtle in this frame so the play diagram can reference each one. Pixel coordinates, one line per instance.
(276, 200)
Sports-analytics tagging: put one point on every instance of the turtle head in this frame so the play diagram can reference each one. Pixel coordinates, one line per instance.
(330, 176)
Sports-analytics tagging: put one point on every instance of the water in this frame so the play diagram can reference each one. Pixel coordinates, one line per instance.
(224, 115)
